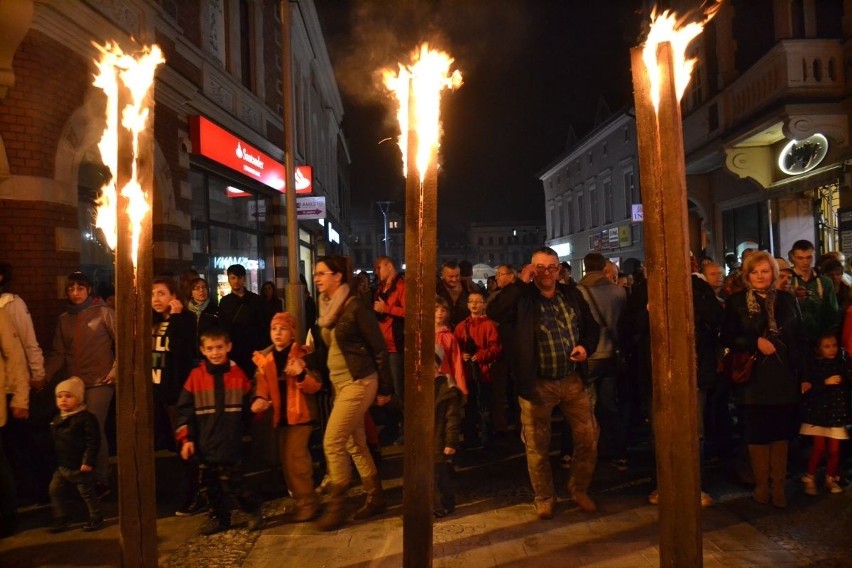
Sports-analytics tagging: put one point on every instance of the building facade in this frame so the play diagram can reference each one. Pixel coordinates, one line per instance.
(218, 133)
(592, 195)
(503, 243)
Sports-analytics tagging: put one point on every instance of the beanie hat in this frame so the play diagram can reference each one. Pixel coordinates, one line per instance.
(284, 319)
(73, 385)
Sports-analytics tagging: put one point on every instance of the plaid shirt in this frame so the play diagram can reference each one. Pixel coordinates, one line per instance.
(556, 336)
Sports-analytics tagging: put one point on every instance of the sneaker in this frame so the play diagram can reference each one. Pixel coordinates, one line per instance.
(197, 505)
(442, 512)
(94, 524)
(706, 500)
(215, 528)
(654, 497)
(544, 509)
(565, 462)
(619, 464)
(810, 484)
(831, 483)
(584, 501)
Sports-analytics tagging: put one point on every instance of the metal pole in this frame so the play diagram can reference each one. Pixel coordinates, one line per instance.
(384, 207)
(663, 176)
(294, 291)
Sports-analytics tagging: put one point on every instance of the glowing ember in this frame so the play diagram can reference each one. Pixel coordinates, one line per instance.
(137, 74)
(666, 27)
(428, 76)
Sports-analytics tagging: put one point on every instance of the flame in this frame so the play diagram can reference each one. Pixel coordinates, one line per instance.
(137, 74)
(428, 76)
(667, 27)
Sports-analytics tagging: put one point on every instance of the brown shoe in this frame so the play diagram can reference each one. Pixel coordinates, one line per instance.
(584, 502)
(544, 509)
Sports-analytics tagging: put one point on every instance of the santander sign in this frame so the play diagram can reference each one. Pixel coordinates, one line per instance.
(216, 143)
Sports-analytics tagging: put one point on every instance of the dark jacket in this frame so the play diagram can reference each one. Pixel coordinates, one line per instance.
(77, 439)
(216, 432)
(827, 405)
(173, 352)
(361, 342)
(517, 305)
(449, 402)
(775, 379)
(245, 319)
(708, 321)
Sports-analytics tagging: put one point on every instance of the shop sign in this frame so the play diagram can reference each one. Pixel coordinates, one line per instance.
(214, 142)
(637, 215)
(223, 262)
(310, 207)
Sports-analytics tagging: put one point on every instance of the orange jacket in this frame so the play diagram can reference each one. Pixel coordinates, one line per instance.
(301, 407)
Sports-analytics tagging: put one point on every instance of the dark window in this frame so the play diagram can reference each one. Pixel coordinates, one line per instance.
(245, 44)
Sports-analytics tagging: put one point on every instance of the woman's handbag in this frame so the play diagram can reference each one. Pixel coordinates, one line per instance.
(737, 366)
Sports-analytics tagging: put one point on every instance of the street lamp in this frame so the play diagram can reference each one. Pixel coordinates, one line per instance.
(384, 207)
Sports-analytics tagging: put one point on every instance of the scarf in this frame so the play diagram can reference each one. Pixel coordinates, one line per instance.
(197, 309)
(80, 408)
(754, 308)
(330, 307)
(218, 372)
(77, 308)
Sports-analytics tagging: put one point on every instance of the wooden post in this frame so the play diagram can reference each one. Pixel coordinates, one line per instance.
(134, 403)
(663, 178)
(421, 206)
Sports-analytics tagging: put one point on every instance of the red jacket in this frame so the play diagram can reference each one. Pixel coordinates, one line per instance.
(451, 364)
(394, 316)
(301, 407)
(483, 333)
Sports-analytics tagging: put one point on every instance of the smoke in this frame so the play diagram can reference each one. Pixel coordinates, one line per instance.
(382, 34)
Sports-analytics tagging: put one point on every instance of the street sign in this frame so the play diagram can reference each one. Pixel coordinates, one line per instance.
(637, 213)
(310, 207)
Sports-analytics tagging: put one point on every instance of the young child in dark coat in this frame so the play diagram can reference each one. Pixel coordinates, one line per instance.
(825, 412)
(77, 439)
(210, 425)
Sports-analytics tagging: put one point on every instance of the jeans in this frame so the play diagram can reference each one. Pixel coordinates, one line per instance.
(225, 483)
(98, 400)
(570, 395)
(609, 410)
(344, 433)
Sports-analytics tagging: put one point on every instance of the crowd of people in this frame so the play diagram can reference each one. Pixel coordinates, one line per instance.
(532, 341)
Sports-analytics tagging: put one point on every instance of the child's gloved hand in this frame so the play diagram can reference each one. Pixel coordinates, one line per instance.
(259, 405)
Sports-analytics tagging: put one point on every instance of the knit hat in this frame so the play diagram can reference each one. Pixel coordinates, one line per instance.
(73, 385)
(284, 319)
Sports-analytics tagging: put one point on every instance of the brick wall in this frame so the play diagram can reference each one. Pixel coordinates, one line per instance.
(44, 71)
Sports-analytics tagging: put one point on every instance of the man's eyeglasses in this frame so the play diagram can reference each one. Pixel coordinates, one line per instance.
(323, 273)
(504, 274)
(543, 268)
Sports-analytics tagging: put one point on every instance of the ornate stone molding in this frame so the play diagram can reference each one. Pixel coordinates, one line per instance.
(835, 126)
(753, 162)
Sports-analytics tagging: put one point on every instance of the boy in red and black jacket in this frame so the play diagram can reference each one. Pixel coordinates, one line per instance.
(210, 409)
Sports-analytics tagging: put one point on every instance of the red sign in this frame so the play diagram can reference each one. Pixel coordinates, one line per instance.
(214, 142)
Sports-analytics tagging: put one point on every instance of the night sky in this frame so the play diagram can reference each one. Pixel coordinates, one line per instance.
(532, 69)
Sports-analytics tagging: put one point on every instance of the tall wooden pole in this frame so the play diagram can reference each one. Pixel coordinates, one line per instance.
(663, 178)
(294, 295)
(421, 246)
(134, 402)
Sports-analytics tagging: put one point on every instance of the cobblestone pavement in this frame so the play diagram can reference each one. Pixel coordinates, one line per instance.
(816, 531)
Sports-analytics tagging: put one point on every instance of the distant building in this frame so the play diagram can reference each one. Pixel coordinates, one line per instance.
(367, 236)
(592, 197)
(504, 242)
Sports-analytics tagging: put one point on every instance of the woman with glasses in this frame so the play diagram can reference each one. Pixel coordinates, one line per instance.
(351, 348)
(205, 309)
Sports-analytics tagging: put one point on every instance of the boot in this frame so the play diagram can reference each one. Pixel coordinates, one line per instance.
(759, 455)
(375, 502)
(335, 511)
(307, 508)
(778, 472)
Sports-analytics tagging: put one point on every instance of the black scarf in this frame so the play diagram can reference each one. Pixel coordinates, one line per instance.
(218, 372)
